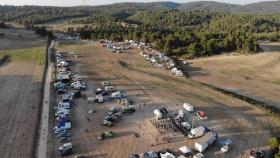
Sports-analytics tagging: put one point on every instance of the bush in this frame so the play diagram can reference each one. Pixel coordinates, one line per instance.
(273, 143)
(277, 155)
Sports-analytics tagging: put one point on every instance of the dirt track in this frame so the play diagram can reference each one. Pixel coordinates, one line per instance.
(248, 126)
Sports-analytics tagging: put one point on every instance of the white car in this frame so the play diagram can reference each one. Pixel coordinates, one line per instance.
(198, 155)
(65, 146)
(225, 148)
(226, 145)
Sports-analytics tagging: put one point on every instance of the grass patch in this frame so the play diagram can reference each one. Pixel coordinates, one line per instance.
(142, 65)
(2, 55)
(36, 54)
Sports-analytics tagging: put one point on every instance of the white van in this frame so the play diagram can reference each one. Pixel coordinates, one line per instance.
(188, 107)
(65, 105)
(62, 112)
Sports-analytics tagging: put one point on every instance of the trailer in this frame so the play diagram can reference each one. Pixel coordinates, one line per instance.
(205, 141)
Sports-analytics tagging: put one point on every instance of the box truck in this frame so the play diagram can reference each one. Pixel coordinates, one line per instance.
(205, 141)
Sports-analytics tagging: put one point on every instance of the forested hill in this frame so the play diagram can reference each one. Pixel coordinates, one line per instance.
(188, 30)
(208, 5)
(260, 8)
(42, 14)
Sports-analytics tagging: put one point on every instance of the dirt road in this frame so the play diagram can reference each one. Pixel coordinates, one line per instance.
(248, 126)
(20, 84)
(44, 126)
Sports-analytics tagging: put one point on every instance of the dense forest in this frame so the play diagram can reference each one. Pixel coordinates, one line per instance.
(202, 30)
(31, 15)
(178, 33)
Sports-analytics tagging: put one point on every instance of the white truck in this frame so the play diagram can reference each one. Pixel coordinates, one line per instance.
(197, 132)
(158, 114)
(205, 141)
(188, 107)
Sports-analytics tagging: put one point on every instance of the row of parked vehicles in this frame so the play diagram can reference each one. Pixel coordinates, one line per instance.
(68, 87)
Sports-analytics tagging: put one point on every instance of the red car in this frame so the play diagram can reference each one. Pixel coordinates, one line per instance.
(201, 115)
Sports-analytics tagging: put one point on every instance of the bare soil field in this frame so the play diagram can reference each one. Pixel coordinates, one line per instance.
(19, 38)
(248, 126)
(256, 76)
(20, 82)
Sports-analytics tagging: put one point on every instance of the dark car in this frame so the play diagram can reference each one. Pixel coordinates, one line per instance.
(134, 156)
(256, 154)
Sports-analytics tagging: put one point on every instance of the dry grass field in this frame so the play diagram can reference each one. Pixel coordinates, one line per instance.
(257, 75)
(20, 82)
(19, 38)
(248, 126)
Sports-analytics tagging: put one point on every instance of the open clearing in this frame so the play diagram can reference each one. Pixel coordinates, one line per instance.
(257, 76)
(19, 38)
(248, 126)
(20, 82)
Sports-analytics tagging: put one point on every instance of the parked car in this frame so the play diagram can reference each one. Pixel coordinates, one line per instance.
(201, 115)
(64, 139)
(256, 154)
(107, 123)
(188, 107)
(198, 155)
(226, 144)
(128, 109)
(65, 149)
(67, 134)
(79, 156)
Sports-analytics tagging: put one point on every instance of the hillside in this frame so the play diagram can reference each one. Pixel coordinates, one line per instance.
(43, 14)
(261, 7)
(208, 5)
